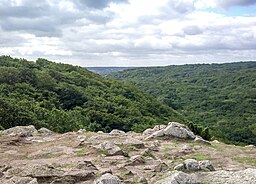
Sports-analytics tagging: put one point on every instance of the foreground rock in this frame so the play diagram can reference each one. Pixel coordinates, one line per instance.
(247, 176)
(85, 158)
(50, 174)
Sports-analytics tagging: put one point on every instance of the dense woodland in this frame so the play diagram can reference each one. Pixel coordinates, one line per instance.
(65, 98)
(221, 96)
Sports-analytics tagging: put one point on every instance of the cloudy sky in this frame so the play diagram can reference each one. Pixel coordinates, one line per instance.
(129, 32)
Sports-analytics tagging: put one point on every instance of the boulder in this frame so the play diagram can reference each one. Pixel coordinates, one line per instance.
(116, 132)
(136, 160)
(178, 130)
(22, 131)
(35, 171)
(133, 142)
(201, 140)
(159, 127)
(206, 165)
(179, 167)
(111, 149)
(81, 131)
(247, 176)
(159, 133)
(148, 131)
(250, 146)
(86, 165)
(177, 177)
(191, 165)
(160, 167)
(142, 180)
(108, 179)
(48, 174)
(45, 131)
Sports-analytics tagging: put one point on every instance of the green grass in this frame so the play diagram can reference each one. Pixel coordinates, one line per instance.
(246, 160)
(81, 152)
(199, 156)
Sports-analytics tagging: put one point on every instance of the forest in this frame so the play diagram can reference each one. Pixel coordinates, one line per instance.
(63, 98)
(219, 96)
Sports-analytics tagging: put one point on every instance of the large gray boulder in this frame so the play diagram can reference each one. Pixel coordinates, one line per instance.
(108, 179)
(177, 177)
(173, 129)
(22, 131)
(178, 130)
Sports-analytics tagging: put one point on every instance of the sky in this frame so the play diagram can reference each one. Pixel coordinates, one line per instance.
(129, 32)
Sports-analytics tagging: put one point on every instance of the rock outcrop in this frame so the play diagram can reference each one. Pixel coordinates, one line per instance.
(118, 157)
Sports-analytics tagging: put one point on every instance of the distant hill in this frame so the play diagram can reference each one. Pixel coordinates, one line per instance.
(65, 98)
(221, 96)
(107, 70)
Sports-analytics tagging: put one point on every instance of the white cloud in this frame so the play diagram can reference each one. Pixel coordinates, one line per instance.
(126, 32)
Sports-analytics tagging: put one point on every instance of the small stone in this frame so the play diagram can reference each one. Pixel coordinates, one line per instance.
(86, 165)
(201, 140)
(142, 180)
(160, 167)
(81, 131)
(111, 148)
(116, 132)
(108, 179)
(137, 160)
(179, 167)
(177, 177)
(45, 131)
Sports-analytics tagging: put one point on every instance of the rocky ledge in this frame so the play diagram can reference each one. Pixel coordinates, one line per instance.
(165, 154)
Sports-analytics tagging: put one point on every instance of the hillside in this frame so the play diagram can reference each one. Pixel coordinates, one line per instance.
(107, 70)
(84, 157)
(221, 96)
(64, 98)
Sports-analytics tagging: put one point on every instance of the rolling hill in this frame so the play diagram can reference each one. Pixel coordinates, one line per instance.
(220, 96)
(65, 98)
